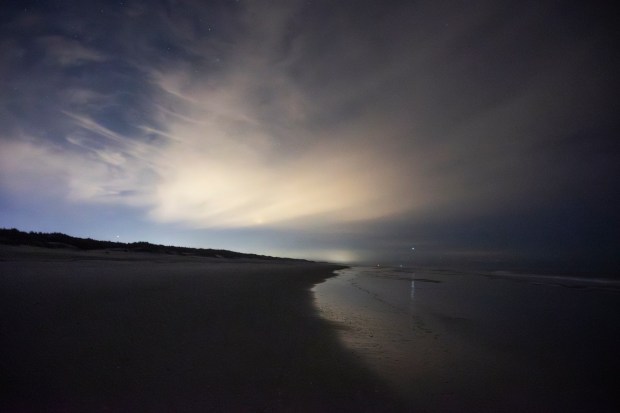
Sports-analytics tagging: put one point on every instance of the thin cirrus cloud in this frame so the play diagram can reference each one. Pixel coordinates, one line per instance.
(67, 52)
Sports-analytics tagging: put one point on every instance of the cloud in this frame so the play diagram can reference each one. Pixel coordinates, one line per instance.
(308, 116)
(231, 149)
(68, 52)
(207, 176)
(210, 178)
(28, 168)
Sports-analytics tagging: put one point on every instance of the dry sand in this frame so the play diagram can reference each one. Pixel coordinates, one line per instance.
(125, 332)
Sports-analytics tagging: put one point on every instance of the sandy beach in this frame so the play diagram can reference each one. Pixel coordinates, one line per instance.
(120, 332)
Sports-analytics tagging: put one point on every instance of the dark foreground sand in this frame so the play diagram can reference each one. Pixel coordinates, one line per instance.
(120, 332)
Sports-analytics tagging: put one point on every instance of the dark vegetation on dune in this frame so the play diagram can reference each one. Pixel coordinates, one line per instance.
(58, 240)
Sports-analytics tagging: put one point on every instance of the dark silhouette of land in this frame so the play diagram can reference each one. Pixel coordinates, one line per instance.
(59, 240)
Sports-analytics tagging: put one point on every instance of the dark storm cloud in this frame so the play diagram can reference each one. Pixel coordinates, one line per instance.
(456, 124)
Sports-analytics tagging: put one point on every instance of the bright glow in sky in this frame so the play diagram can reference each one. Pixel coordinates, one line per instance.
(340, 131)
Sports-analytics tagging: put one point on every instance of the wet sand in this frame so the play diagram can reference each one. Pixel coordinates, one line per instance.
(459, 342)
(121, 332)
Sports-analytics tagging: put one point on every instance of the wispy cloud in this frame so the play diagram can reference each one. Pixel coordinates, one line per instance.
(68, 52)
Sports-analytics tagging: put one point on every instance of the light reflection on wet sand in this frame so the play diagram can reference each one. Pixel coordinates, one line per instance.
(462, 342)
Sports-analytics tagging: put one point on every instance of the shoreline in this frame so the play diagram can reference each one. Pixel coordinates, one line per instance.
(471, 343)
(92, 332)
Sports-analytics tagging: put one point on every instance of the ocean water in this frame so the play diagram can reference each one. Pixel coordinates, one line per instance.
(496, 341)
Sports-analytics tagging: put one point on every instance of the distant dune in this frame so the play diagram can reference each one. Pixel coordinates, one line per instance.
(58, 240)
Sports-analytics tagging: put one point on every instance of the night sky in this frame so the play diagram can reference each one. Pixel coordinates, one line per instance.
(478, 132)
